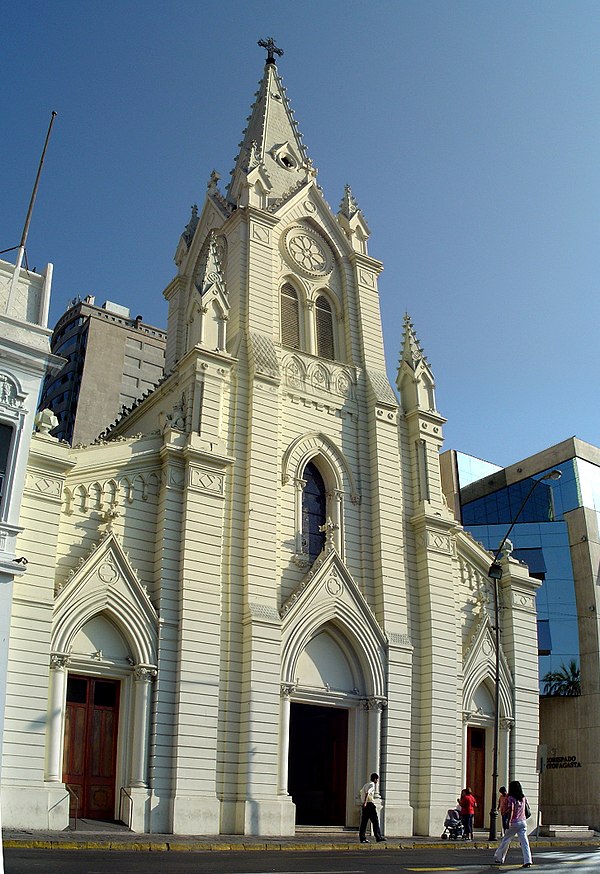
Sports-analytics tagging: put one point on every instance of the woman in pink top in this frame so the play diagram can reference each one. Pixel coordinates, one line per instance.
(517, 827)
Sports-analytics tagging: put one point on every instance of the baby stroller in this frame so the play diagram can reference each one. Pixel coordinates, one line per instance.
(453, 827)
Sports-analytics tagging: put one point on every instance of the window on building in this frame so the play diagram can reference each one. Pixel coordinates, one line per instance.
(324, 325)
(544, 637)
(314, 509)
(290, 317)
(6, 433)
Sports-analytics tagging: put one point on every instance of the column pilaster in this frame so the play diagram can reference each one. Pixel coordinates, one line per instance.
(56, 709)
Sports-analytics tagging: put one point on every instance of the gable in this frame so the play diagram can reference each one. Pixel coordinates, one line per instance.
(106, 585)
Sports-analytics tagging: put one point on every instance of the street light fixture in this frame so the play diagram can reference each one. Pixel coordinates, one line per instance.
(495, 574)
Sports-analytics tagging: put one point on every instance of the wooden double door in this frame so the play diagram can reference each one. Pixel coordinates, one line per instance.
(90, 748)
(476, 770)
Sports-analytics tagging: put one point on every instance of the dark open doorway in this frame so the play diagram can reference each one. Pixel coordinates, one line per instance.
(318, 764)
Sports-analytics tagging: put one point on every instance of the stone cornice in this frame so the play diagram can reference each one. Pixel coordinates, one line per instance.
(432, 520)
(430, 416)
(357, 259)
(48, 454)
(255, 214)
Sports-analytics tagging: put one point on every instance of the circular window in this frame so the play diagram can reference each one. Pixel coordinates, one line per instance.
(308, 251)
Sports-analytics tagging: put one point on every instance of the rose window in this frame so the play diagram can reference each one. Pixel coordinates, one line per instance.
(307, 253)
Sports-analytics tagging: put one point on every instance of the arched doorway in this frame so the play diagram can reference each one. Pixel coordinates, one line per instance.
(325, 710)
(333, 668)
(93, 705)
(479, 746)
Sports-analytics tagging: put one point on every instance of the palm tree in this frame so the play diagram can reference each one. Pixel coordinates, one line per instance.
(565, 681)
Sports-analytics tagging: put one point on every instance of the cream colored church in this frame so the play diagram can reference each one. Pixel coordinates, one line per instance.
(250, 593)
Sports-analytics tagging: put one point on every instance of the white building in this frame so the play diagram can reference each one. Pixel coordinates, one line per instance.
(24, 357)
(251, 593)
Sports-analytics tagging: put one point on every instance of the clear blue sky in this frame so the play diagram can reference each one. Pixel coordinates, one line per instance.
(469, 132)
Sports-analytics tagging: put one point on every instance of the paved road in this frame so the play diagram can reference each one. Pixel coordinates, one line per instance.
(367, 860)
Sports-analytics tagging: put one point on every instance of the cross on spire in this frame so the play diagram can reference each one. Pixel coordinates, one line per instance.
(272, 49)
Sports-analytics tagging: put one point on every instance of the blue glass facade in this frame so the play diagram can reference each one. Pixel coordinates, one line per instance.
(540, 538)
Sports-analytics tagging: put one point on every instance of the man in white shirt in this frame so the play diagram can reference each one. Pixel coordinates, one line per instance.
(369, 811)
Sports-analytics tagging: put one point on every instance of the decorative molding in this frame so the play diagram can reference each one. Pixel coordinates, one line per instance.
(367, 278)
(374, 703)
(287, 690)
(438, 542)
(144, 673)
(397, 639)
(333, 583)
(523, 601)
(108, 572)
(201, 479)
(260, 233)
(46, 485)
(320, 378)
(59, 661)
(263, 611)
(174, 477)
(301, 560)
(9, 394)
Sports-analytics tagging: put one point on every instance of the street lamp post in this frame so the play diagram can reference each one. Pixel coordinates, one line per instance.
(495, 575)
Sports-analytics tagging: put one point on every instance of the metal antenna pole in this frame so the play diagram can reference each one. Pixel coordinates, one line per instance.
(21, 250)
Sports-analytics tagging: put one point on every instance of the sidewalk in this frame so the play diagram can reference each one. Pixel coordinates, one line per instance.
(91, 835)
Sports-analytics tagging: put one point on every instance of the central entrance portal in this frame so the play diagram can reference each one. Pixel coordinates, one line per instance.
(318, 764)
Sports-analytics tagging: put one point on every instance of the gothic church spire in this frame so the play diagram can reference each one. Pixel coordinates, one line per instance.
(272, 159)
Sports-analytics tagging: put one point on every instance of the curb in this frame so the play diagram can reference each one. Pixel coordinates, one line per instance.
(208, 846)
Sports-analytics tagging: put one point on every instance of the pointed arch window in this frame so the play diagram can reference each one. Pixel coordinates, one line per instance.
(314, 509)
(290, 317)
(324, 326)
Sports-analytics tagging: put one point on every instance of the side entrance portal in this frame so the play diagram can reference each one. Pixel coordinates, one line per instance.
(90, 745)
(318, 764)
(476, 770)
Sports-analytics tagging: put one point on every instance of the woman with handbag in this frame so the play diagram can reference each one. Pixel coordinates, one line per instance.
(518, 808)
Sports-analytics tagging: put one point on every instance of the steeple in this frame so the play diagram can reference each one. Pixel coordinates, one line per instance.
(272, 160)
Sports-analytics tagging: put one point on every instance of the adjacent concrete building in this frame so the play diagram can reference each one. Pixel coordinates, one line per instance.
(111, 361)
(557, 537)
(251, 593)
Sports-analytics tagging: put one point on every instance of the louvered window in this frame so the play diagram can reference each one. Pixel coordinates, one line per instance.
(324, 317)
(290, 321)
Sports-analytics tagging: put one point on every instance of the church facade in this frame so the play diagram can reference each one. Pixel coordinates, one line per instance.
(250, 593)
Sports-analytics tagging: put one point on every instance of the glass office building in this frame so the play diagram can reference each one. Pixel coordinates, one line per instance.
(489, 500)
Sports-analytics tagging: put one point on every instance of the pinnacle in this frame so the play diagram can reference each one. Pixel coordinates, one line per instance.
(190, 228)
(348, 205)
(412, 351)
